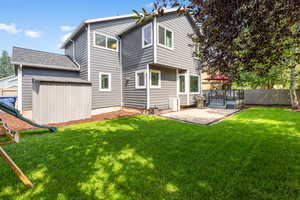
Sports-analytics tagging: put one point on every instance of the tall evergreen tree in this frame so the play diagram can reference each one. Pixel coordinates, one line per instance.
(6, 68)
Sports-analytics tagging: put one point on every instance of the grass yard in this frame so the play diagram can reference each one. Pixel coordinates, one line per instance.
(252, 155)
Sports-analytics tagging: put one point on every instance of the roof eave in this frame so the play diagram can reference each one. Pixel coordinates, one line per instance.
(44, 66)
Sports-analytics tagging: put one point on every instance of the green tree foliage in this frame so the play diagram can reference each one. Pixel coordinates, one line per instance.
(256, 42)
(6, 68)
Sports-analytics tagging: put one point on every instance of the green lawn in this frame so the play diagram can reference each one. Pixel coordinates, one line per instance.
(252, 155)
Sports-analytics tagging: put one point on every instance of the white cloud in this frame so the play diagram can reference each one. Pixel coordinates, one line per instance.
(150, 5)
(10, 28)
(67, 28)
(32, 34)
(65, 37)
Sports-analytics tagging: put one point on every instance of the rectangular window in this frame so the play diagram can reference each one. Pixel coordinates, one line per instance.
(155, 79)
(104, 81)
(105, 41)
(140, 79)
(194, 84)
(182, 83)
(165, 37)
(147, 35)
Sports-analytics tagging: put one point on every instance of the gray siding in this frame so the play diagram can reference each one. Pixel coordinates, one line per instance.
(182, 54)
(134, 58)
(108, 61)
(58, 102)
(160, 96)
(27, 75)
(81, 52)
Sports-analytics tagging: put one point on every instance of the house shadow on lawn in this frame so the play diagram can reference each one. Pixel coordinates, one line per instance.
(249, 156)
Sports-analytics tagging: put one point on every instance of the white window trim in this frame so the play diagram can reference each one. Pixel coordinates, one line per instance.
(165, 46)
(198, 92)
(186, 83)
(136, 79)
(159, 78)
(107, 36)
(143, 36)
(100, 82)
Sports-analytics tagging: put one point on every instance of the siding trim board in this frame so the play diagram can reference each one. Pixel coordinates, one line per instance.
(89, 51)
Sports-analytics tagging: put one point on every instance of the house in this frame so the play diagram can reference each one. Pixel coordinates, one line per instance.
(127, 64)
(9, 82)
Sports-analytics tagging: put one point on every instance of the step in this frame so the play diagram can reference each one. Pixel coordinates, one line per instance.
(214, 105)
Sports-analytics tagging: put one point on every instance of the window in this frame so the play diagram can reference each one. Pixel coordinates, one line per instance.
(165, 37)
(104, 81)
(155, 79)
(182, 83)
(194, 84)
(147, 35)
(140, 79)
(104, 41)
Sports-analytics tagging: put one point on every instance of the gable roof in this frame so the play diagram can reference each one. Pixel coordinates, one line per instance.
(89, 21)
(42, 59)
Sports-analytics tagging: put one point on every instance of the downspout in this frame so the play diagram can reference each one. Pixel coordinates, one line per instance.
(155, 39)
(74, 54)
(148, 86)
(89, 51)
(121, 69)
(20, 84)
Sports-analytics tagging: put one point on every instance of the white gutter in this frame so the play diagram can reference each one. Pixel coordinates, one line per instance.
(88, 21)
(89, 51)
(20, 84)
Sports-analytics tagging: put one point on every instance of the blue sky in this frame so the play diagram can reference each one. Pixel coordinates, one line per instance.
(41, 24)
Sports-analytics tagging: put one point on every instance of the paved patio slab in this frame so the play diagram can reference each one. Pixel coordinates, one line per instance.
(200, 116)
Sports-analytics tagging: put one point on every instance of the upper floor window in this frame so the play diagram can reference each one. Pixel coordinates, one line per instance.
(140, 79)
(104, 41)
(194, 84)
(104, 81)
(147, 35)
(165, 37)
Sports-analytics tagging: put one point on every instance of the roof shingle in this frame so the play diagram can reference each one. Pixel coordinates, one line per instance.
(42, 59)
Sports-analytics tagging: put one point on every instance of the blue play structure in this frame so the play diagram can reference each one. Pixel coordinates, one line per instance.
(7, 105)
(10, 101)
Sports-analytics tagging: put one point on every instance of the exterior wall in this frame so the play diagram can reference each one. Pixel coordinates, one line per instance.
(9, 82)
(108, 61)
(81, 52)
(134, 58)
(28, 73)
(160, 96)
(58, 102)
(182, 54)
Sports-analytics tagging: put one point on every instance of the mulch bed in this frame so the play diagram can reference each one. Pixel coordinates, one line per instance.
(16, 124)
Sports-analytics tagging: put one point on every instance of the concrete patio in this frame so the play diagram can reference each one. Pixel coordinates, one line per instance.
(200, 116)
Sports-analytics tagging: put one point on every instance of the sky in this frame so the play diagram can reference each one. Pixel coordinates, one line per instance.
(43, 24)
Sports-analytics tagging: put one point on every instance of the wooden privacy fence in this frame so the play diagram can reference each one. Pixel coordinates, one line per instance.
(268, 97)
(8, 92)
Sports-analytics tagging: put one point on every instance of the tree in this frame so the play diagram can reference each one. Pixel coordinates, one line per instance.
(240, 38)
(6, 68)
